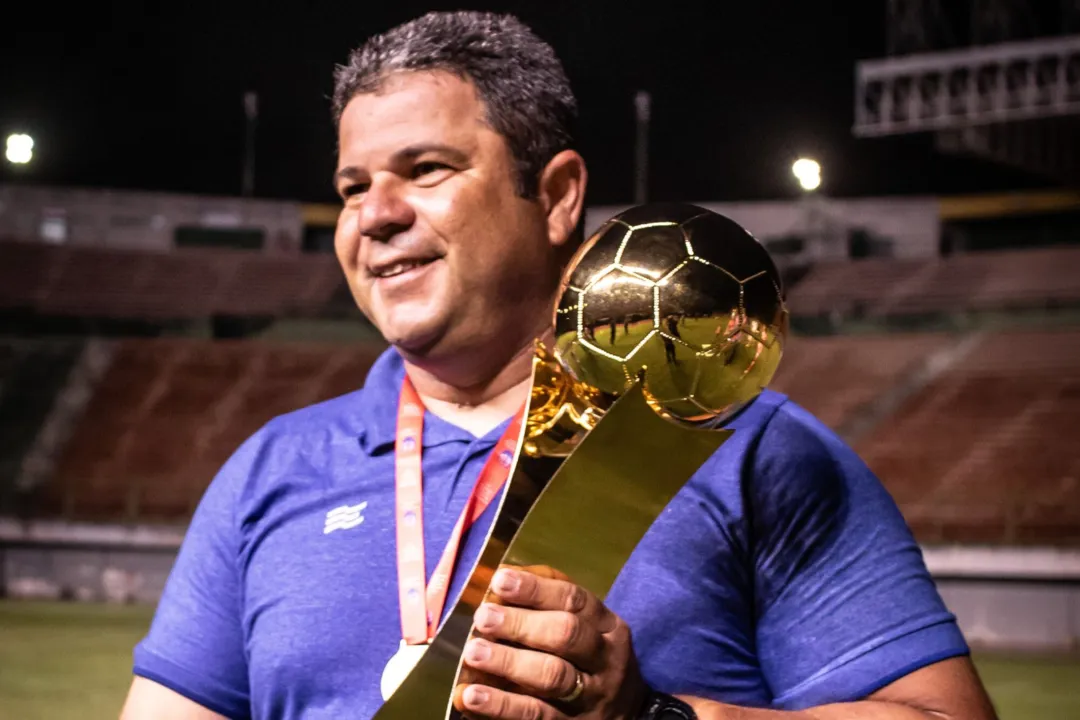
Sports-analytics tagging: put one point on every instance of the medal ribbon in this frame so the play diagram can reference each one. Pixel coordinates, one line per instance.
(421, 608)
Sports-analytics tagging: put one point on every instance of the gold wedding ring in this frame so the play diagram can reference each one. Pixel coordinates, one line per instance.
(579, 687)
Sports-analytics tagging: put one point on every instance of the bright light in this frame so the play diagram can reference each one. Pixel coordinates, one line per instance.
(20, 149)
(808, 173)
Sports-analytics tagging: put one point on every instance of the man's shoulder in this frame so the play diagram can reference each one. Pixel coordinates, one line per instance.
(295, 437)
(317, 434)
(795, 461)
(773, 422)
(350, 414)
(343, 411)
(777, 441)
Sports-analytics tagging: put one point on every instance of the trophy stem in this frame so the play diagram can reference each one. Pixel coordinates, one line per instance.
(582, 515)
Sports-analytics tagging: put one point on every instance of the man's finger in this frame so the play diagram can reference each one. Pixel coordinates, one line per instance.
(496, 704)
(525, 589)
(544, 571)
(565, 634)
(536, 673)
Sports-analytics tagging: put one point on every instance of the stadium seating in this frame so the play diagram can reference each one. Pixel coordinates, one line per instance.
(888, 287)
(987, 452)
(195, 283)
(32, 373)
(834, 377)
(981, 452)
(169, 412)
(185, 284)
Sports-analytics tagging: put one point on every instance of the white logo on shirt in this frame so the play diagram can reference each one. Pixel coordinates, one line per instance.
(344, 517)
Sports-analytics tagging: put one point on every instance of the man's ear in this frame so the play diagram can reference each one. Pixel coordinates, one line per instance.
(562, 195)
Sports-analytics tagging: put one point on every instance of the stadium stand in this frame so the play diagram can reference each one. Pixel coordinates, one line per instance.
(168, 413)
(991, 280)
(834, 377)
(982, 452)
(190, 283)
(987, 452)
(970, 431)
(31, 375)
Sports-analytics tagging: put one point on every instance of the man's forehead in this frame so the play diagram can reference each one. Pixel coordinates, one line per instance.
(409, 103)
(434, 79)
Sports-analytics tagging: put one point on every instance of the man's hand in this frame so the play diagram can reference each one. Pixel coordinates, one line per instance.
(562, 635)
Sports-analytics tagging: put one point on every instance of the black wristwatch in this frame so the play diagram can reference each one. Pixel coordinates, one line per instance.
(659, 706)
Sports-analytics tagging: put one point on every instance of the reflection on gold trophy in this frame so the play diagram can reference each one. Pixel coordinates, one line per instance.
(671, 320)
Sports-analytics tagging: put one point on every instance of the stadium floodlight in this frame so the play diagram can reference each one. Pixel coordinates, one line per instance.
(808, 173)
(19, 149)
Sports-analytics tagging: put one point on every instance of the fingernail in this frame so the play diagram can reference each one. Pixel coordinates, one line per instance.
(488, 617)
(506, 581)
(475, 696)
(478, 651)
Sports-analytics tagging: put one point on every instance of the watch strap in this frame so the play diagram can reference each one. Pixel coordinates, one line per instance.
(661, 706)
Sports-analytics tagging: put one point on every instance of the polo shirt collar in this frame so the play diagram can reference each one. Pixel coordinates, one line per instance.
(379, 409)
(379, 405)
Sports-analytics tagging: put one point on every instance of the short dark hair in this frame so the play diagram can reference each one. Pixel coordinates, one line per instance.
(517, 76)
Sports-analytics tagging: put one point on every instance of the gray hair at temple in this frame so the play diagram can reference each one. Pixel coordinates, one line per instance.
(523, 86)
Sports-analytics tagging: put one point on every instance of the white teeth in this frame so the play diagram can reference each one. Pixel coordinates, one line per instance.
(399, 268)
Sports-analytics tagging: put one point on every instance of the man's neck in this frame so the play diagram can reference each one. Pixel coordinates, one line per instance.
(481, 399)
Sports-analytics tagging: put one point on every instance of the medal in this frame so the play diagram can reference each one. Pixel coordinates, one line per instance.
(422, 602)
(399, 667)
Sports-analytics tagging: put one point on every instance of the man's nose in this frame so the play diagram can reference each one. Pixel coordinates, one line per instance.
(384, 211)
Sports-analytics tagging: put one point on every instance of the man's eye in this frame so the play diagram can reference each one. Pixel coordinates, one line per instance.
(426, 168)
(357, 189)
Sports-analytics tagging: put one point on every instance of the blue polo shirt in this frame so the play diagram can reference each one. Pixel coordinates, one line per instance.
(782, 575)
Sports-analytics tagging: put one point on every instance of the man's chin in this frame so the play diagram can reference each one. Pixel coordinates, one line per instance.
(414, 342)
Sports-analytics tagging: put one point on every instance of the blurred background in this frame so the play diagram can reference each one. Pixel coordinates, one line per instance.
(167, 283)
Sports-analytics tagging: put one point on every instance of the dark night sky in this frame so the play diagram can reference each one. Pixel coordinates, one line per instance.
(147, 95)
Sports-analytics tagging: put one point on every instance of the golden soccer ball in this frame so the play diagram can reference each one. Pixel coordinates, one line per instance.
(680, 296)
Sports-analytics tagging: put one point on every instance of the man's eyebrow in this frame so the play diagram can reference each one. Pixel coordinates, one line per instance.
(349, 172)
(411, 152)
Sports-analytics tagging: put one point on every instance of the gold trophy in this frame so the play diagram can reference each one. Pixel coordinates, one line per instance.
(671, 320)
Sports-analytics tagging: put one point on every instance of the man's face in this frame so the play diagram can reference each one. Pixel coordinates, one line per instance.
(438, 249)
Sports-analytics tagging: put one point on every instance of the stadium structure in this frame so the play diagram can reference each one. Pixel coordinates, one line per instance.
(996, 79)
(144, 336)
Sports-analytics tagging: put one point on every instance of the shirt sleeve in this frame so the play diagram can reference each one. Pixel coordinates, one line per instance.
(195, 645)
(844, 601)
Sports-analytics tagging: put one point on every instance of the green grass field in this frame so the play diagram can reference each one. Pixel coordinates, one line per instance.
(66, 660)
(61, 661)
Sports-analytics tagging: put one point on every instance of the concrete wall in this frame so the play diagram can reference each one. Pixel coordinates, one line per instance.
(1037, 612)
(139, 220)
(911, 225)
(1027, 615)
(87, 574)
(85, 562)
(149, 220)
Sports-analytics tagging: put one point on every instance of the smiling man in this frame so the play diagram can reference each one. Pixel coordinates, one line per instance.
(780, 583)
